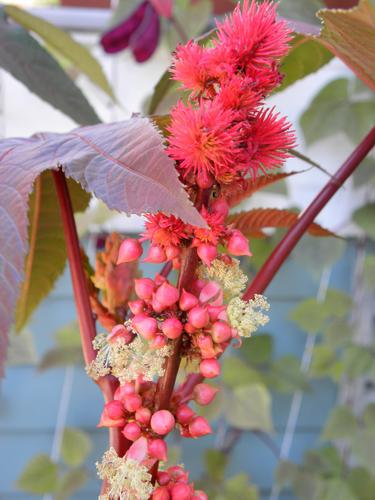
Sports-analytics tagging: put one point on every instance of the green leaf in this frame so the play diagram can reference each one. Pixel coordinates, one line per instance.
(333, 109)
(341, 424)
(300, 10)
(325, 363)
(215, 461)
(357, 360)
(72, 481)
(305, 56)
(237, 487)
(369, 416)
(235, 373)
(39, 476)
(249, 408)
(365, 174)
(365, 218)
(258, 349)
(75, 447)
(334, 489)
(362, 483)
(46, 258)
(338, 333)
(64, 44)
(285, 473)
(162, 88)
(61, 356)
(68, 335)
(285, 375)
(27, 61)
(363, 448)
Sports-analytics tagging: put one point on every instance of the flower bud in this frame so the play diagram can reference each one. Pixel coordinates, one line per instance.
(161, 493)
(162, 422)
(144, 288)
(136, 306)
(198, 317)
(207, 253)
(199, 495)
(167, 294)
(215, 311)
(187, 300)
(199, 427)
(204, 394)
(221, 332)
(209, 368)
(181, 491)
(184, 414)
(238, 244)
(132, 402)
(163, 477)
(177, 473)
(220, 206)
(120, 332)
(132, 431)
(143, 415)
(155, 255)
(172, 328)
(114, 409)
(157, 448)
(129, 251)
(145, 326)
(172, 252)
(123, 391)
(158, 342)
(212, 293)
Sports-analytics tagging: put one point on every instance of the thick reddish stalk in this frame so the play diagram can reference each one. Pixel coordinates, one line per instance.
(295, 233)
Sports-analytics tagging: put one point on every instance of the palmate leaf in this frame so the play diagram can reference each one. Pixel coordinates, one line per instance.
(123, 163)
(251, 223)
(64, 44)
(27, 61)
(46, 257)
(350, 35)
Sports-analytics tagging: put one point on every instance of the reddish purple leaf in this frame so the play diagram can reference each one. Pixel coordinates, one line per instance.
(123, 163)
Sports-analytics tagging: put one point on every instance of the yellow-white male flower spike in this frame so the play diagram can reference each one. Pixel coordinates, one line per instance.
(247, 317)
(229, 276)
(127, 479)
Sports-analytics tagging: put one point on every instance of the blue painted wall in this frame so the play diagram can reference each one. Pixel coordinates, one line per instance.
(29, 400)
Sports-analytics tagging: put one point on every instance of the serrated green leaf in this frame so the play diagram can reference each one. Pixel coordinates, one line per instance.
(363, 448)
(75, 447)
(365, 218)
(334, 109)
(362, 483)
(334, 489)
(236, 373)
(216, 462)
(338, 333)
(305, 56)
(285, 375)
(61, 356)
(341, 424)
(46, 259)
(64, 44)
(238, 487)
(72, 481)
(257, 349)
(300, 10)
(39, 476)
(27, 61)
(249, 408)
(164, 85)
(325, 363)
(357, 360)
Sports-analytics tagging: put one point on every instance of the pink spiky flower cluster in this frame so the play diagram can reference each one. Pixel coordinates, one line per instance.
(222, 137)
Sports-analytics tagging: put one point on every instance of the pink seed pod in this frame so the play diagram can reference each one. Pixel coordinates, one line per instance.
(221, 332)
(220, 207)
(167, 294)
(187, 300)
(120, 332)
(161, 493)
(158, 342)
(155, 255)
(238, 244)
(181, 491)
(199, 427)
(199, 495)
(132, 431)
(207, 253)
(145, 326)
(212, 293)
(132, 402)
(162, 422)
(209, 368)
(172, 328)
(184, 414)
(198, 317)
(143, 415)
(177, 473)
(172, 252)
(157, 448)
(114, 409)
(215, 311)
(136, 306)
(163, 477)
(144, 288)
(129, 251)
(204, 394)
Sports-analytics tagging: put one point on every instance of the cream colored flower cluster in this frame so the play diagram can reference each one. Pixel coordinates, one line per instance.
(247, 317)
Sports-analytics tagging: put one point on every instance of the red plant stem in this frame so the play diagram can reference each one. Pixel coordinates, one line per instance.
(295, 233)
(86, 320)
